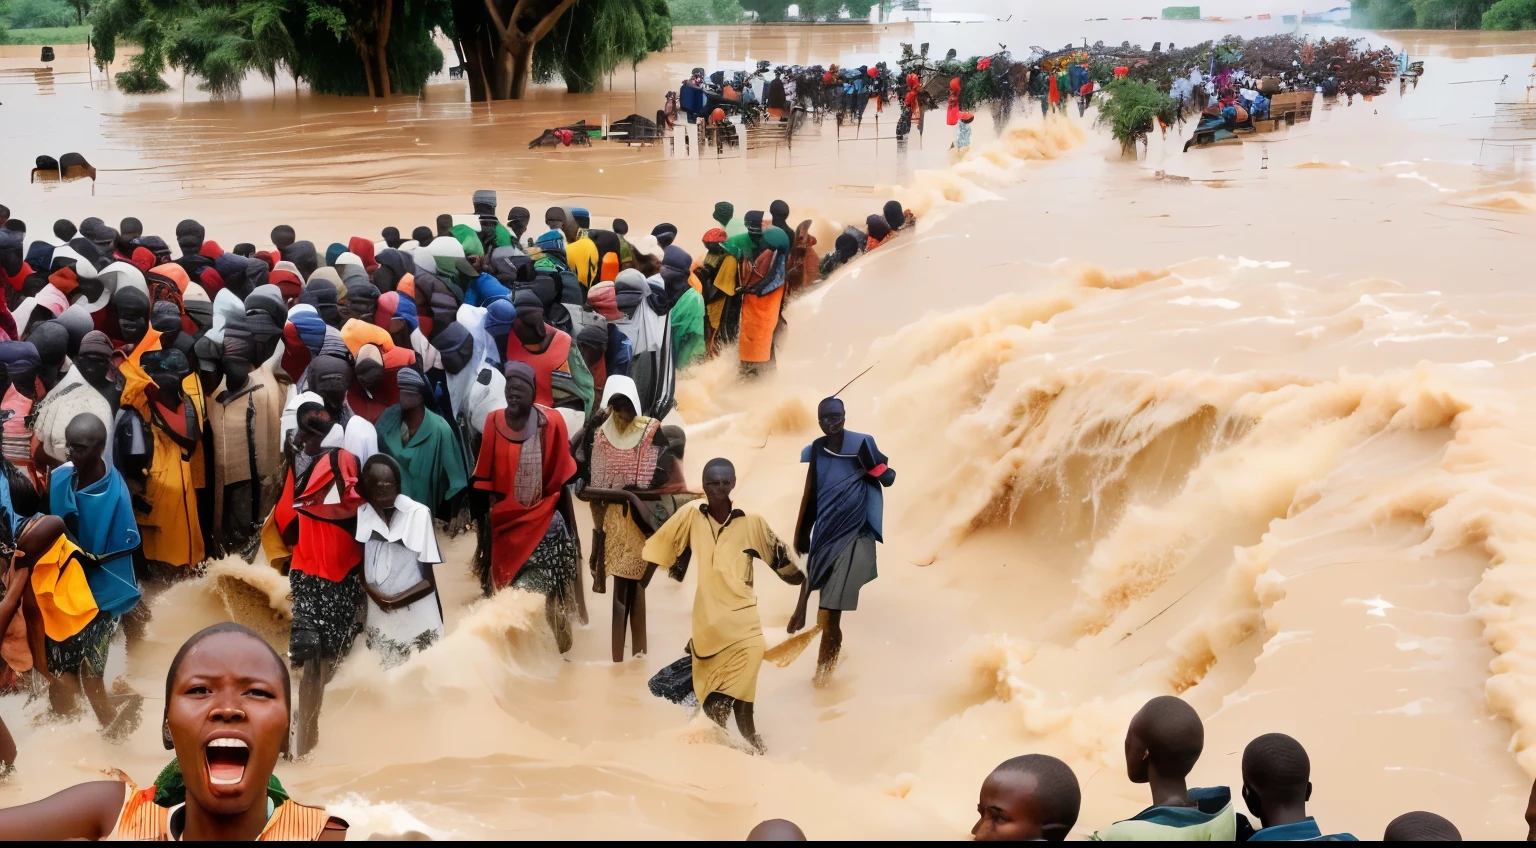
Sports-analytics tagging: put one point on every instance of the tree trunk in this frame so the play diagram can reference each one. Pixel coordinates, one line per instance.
(477, 58)
(364, 56)
(381, 46)
(522, 68)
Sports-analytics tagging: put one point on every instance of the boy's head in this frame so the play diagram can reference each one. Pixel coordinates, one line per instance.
(1166, 734)
(1026, 798)
(283, 236)
(1421, 827)
(1276, 775)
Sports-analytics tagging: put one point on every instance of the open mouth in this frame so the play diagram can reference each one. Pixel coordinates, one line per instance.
(226, 760)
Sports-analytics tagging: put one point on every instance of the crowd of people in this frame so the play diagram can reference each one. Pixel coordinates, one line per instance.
(340, 410)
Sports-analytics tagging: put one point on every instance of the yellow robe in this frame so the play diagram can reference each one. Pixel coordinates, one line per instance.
(171, 531)
(727, 641)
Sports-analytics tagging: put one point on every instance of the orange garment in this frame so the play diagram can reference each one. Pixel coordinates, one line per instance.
(555, 357)
(516, 530)
(759, 318)
(142, 820)
(63, 597)
(610, 270)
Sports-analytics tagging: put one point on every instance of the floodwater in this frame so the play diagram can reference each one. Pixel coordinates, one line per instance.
(1251, 424)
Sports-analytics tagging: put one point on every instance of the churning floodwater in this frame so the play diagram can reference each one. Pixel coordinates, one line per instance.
(1250, 424)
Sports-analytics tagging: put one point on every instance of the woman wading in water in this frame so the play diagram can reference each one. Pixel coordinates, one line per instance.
(227, 699)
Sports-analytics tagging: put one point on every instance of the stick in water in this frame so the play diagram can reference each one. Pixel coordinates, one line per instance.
(790, 649)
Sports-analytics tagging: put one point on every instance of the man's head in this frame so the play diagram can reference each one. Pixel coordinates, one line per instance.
(554, 218)
(1167, 735)
(390, 236)
(520, 388)
(1028, 798)
(238, 354)
(1421, 827)
(530, 310)
(517, 221)
(413, 389)
(776, 830)
(85, 439)
(132, 313)
(581, 218)
(422, 235)
(445, 225)
(1277, 775)
(362, 301)
(190, 237)
(283, 236)
(63, 230)
(369, 369)
(94, 360)
(831, 416)
(331, 376)
(130, 228)
(719, 481)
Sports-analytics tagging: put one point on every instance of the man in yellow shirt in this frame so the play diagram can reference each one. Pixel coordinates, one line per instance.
(581, 251)
(727, 646)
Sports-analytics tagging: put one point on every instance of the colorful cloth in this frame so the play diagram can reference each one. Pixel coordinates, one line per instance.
(432, 467)
(1210, 820)
(100, 518)
(324, 501)
(517, 529)
(394, 553)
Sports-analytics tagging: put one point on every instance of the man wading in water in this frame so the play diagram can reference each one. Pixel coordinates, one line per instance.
(727, 646)
(839, 524)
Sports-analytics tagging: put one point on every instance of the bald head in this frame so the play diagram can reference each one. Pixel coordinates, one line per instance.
(1167, 735)
(776, 830)
(85, 440)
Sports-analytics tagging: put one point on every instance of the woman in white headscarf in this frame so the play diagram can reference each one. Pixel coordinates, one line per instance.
(623, 456)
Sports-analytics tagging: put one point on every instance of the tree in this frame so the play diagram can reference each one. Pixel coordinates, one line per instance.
(1511, 14)
(769, 11)
(1450, 14)
(1384, 14)
(589, 42)
(224, 41)
(498, 38)
(704, 12)
(1130, 108)
(32, 14)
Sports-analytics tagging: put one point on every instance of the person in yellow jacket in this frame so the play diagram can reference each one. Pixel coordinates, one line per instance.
(161, 424)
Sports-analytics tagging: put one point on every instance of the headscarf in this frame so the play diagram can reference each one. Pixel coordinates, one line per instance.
(754, 222)
(20, 359)
(451, 338)
(165, 317)
(411, 380)
(311, 328)
(391, 269)
(363, 250)
(77, 320)
(602, 299)
(304, 258)
(362, 289)
(335, 250)
(95, 342)
(775, 239)
(593, 335)
(238, 345)
(321, 295)
(665, 234)
(715, 235)
(285, 275)
(847, 246)
(157, 246)
(894, 214)
(517, 369)
(267, 299)
(392, 305)
(877, 227)
(469, 240)
(779, 210)
(499, 315)
(232, 269)
(724, 212)
(198, 307)
(328, 366)
(98, 233)
(630, 289)
(51, 340)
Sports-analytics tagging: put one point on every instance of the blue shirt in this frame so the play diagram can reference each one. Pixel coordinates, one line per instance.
(100, 519)
(1305, 830)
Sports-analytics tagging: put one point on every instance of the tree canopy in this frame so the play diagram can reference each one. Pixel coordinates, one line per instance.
(374, 47)
(597, 36)
(1420, 14)
(1511, 14)
(704, 12)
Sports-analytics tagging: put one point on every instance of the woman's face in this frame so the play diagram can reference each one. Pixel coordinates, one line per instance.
(228, 720)
(622, 410)
(382, 487)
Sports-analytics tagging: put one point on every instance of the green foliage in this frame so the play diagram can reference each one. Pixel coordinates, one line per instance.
(38, 14)
(768, 11)
(595, 37)
(1511, 14)
(224, 41)
(1181, 13)
(1130, 108)
(53, 36)
(704, 12)
(824, 10)
(1420, 14)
